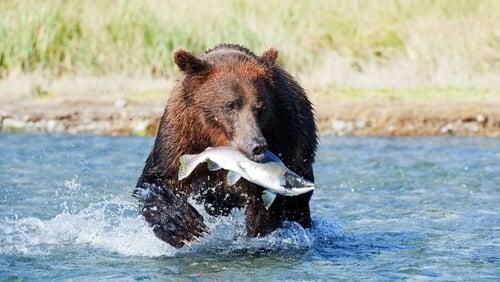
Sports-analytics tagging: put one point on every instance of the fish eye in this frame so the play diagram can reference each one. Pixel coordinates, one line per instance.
(292, 180)
(289, 180)
(287, 185)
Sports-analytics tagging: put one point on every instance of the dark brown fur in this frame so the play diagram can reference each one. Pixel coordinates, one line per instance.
(227, 96)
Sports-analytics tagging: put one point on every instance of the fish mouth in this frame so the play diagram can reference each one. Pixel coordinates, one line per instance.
(301, 190)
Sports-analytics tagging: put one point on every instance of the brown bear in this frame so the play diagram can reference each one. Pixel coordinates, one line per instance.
(228, 96)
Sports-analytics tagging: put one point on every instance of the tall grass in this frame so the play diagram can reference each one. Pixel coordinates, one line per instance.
(137, 37)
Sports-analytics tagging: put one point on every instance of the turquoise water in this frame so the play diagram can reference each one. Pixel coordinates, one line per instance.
(408, 208)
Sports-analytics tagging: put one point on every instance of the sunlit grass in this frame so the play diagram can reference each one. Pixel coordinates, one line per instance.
(147, 96)
(354, 48)
(450, 94)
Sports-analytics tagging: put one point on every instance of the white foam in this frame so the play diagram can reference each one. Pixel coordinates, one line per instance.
(116, 226)
(113, 225)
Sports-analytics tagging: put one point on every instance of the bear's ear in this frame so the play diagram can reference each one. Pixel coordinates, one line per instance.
(269, 56)
(188, 63)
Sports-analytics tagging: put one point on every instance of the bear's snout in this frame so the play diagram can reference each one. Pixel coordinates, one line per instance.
(253, 147)
(258, 147)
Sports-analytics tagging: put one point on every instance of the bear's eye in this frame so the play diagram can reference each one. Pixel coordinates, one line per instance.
(232, 105)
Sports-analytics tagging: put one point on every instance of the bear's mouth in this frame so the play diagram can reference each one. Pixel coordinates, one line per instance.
(248, 150)
(252, 156)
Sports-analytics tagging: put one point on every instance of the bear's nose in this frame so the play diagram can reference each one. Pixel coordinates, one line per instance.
(259, 146)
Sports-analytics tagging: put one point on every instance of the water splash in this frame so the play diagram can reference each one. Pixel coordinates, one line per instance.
(115, 226)
(112, 225)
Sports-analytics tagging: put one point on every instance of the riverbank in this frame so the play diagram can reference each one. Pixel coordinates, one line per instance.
(371, 68)
(341, 116)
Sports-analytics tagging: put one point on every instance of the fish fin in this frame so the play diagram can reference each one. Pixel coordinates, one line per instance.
(232, 177)
(187, 165)
(268, 198)
(213, 166)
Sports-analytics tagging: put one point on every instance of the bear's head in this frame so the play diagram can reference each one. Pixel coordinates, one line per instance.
(230, 90)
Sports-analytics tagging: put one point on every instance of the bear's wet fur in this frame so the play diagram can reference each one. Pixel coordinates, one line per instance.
(231, 96)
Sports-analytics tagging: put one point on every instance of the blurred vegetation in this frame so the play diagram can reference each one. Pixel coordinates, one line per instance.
(137, 37)
(423, 93)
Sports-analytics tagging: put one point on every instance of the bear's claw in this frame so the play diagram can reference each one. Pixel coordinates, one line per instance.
(173, 219)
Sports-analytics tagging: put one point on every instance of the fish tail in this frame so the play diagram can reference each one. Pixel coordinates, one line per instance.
(187, 164)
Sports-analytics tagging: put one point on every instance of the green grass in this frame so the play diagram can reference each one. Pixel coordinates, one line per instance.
(58, 38)
(145, 96)
(451, 94)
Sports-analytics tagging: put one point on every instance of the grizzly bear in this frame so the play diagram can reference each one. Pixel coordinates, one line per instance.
(228, 96)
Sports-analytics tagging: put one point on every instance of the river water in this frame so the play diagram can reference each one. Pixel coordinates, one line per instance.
(384, 208)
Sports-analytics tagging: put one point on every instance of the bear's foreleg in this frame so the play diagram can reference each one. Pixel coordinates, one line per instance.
(297, 209)
(259, 220)
(173, 219)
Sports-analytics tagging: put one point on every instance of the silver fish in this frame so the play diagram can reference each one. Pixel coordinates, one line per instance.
(271, 173)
